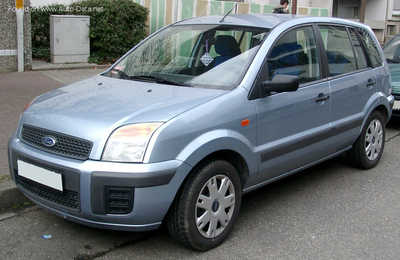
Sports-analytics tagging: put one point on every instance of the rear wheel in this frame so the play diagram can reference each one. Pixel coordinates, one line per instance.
(207, 207)
(367, 150)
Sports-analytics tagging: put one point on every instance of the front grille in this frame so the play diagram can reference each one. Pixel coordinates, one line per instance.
(65, 145)
(69, 199)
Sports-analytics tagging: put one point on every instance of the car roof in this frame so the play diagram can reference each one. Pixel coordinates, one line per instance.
(265, 20)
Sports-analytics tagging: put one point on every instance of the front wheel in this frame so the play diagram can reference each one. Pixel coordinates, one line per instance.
(367, 150)
(207, 206)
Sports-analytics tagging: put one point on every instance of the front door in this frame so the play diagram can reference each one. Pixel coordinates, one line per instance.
(293, 127)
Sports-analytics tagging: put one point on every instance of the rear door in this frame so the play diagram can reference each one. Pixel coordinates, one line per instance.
(351, 79)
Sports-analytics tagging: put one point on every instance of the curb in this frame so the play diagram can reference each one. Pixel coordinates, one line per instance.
(38, 65)
(72, 67)
(10, 195)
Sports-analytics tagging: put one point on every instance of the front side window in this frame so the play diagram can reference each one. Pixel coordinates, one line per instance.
(295, 53)
(205, 56)
(339, 50)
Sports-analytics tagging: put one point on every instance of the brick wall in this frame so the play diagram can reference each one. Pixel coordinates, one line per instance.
(8, 36)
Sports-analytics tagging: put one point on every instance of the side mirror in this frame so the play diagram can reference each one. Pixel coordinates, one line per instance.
(280, 83)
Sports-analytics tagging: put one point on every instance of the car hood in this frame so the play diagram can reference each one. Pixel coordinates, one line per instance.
(395, 72)
(91, 109)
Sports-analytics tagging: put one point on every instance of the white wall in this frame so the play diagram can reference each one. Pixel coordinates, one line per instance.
(304, 3)
(321, 3)
(376, 10)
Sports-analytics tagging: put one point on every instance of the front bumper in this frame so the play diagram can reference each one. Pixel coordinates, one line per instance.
(117, 196)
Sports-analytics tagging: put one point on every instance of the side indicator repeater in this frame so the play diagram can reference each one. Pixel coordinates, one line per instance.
(245, 122)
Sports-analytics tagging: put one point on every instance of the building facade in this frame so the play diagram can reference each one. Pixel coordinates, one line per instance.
(383, 16)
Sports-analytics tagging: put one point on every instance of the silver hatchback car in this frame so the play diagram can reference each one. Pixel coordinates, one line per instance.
(198, 114)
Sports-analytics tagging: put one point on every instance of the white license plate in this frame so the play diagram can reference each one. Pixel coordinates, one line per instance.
(40, 175)
(396, 105)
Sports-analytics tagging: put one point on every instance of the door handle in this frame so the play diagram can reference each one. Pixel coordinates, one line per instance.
(322, 97)
(371, 82)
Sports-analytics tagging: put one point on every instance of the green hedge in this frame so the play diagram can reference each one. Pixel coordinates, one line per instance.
(115, 27)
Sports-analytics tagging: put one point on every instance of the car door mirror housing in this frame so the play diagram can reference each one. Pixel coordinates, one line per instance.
(280, 83)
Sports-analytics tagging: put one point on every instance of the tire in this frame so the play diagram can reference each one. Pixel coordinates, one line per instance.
(367, 150)
(207, 206)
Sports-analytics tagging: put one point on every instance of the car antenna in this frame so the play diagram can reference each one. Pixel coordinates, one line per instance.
(223, 18)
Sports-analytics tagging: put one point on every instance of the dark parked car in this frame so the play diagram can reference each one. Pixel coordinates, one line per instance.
(198, 114)
(391, 51)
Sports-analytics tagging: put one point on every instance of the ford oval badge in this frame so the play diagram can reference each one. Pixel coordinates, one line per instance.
(49, 141)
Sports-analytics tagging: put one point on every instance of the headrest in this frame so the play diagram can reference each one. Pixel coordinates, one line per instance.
(226, 45)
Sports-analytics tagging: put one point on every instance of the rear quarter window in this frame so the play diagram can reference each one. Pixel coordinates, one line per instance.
(371, 47)
(358, 50)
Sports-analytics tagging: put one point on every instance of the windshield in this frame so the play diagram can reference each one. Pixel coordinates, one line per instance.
(392, 50)
(205, 56)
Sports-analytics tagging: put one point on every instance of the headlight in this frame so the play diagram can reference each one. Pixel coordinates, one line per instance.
(128, 143)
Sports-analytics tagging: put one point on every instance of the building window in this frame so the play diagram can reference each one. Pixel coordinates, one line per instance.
(391, 30)
(348, 12)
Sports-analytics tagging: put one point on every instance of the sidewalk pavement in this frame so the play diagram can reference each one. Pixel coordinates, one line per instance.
(17, 89)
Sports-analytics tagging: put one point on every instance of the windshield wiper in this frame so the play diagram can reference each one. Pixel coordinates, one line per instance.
(121, 74)
(158, 80)
(148, 78)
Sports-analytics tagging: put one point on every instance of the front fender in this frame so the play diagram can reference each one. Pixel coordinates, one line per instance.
(218, 140)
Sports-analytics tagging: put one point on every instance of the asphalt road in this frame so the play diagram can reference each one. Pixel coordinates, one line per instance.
(331, 211)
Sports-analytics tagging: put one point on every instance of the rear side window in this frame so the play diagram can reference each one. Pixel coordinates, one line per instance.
(339, 50)
(371, 48)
